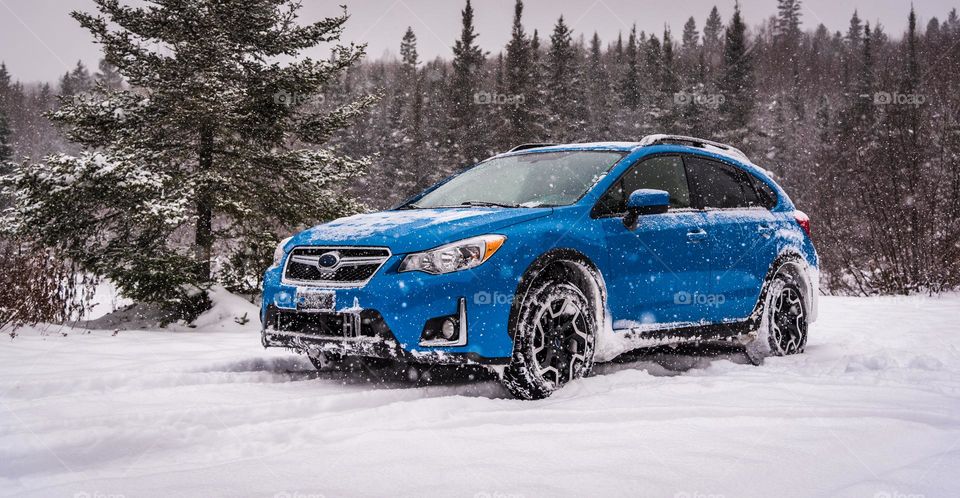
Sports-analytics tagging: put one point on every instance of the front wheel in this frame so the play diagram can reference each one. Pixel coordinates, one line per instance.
(553, 341)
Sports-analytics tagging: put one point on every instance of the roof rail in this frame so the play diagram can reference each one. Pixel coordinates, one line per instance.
(530, 146)
(691, 141)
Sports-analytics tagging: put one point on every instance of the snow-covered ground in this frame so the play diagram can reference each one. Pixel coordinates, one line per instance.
(871, 410)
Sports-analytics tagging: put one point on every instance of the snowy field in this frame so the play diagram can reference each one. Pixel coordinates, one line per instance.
(871, 410)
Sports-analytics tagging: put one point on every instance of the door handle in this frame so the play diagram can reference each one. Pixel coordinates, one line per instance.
(766, 230)
(696, 235)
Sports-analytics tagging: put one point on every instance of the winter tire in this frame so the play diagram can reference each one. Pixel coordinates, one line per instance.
(783, 326)
(553, 342)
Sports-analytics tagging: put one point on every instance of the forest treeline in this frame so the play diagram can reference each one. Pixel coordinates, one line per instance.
(860, 126)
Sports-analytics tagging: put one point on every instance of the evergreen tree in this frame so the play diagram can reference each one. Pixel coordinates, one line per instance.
(618, 51)
(713, 28)
(521, 89)
(466, 139)
(76, 81)
(564, 92)
(669, 87)
(691, 37)
(408, 49)
(108, 76)
(788, 22)
(855, 32)
(736, 84)
(712, 32)
(630, 94)
(862, 98)
(414, 158)
(600, 104)
(208, 145)
(6, 147)
(537, 104)
(5, 87)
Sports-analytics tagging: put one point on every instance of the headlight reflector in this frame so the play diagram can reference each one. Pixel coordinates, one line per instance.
(461, 255)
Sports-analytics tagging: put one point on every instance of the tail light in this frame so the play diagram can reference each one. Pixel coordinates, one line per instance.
(803, 220)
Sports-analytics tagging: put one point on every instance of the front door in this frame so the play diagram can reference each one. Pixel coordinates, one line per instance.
(658, 273)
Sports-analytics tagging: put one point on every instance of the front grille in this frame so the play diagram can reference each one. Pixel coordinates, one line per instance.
(354, 266)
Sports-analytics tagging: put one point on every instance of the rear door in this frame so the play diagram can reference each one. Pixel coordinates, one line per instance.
(741, 227)
(656, 272)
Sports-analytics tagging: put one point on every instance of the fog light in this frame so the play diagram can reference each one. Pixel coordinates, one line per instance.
(448, 329)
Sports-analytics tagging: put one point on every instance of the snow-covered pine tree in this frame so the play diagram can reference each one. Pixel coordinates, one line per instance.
(6, 147)
(465, 141)
(630, 82)
(712, 42)
(77, 81)
(536, 101)
(691, 37)
(788, 22)
(6, 134)
(600, 100)
(521, 90)
(736, 82)
(566, 99)
(217, 144)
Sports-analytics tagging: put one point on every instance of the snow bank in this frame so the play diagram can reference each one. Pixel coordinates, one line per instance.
(228, 312)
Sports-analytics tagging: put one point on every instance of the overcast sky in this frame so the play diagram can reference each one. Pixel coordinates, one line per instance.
(39, 41)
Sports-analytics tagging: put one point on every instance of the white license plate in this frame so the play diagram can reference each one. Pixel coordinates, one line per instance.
(314, 300)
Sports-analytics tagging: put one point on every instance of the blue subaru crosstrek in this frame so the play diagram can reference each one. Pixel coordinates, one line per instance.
(542, 260)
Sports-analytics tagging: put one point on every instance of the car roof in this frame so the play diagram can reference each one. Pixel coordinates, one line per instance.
(615, 146)
(671, 143)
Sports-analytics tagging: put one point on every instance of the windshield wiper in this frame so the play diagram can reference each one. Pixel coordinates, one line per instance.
(408, 206)
(489, 204)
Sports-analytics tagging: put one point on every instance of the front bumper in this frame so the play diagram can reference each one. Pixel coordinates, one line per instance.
(393, 309)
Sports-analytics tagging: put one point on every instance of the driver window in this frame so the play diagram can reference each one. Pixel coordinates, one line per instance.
(661, 173)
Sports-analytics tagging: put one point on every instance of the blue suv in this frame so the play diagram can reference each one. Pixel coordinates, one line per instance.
(542, 260)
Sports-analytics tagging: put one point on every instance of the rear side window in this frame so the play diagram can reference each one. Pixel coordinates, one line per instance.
(767, 197)
(721, 186)
(661, 173)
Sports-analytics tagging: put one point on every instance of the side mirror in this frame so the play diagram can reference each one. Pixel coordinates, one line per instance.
(645, 201)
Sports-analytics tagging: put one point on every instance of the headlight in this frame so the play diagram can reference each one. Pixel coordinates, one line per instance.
(278, 252)
(467, 253)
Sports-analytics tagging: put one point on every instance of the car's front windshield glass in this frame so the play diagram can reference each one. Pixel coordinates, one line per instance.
(526, 180)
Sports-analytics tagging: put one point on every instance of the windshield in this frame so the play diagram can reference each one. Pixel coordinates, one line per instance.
(526, 180)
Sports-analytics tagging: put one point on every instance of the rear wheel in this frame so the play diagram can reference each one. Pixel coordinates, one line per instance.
(554, 340)
(783, 324)
(788, 321)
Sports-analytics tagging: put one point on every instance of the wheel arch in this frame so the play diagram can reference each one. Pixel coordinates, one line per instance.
(570, 263)
(793, 265)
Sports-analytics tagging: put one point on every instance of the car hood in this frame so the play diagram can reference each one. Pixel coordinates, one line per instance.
(413, 230)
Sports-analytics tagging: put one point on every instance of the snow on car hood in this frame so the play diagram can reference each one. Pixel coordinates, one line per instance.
(414, 229)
